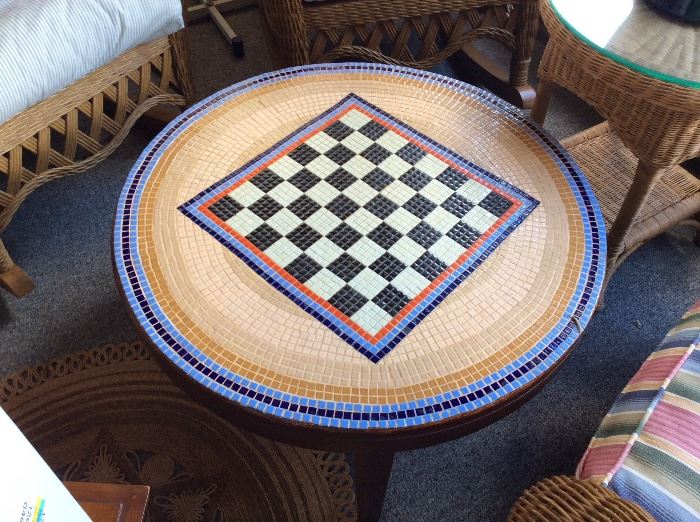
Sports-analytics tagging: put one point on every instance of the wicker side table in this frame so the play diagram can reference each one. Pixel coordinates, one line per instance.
(651, 100)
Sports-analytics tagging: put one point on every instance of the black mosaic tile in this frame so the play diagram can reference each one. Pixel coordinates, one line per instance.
(415, 179)
(303, 236)
(372, 130)
(457, 205)
(381, 206)
(419, 206)
(463, 234)
(340, 154)
(388, 266)
(452, 178)
(266, 180)
(265, 207)
(378, 179)
(385, 235)
(375, 153)
(303, 206)
(425, 235)
(304, 180)
(303, 268)
(346, 267)
(304, 154)
(338, 130)
(342, 206)
(391, 299)
(429, 266)
(495, 204)
(411, 153)
(341, 179)
(347, 300)
(264, 236)
(344, 236)
(226, 208)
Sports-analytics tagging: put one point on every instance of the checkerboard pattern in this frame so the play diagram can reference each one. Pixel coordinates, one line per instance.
(362, 221)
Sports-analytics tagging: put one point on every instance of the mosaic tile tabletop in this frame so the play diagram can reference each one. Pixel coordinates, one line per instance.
(362, 221)
(359, 246)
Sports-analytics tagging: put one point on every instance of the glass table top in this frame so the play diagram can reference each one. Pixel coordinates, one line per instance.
(637, 36)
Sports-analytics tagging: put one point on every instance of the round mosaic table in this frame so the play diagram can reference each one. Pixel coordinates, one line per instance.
(358, 257)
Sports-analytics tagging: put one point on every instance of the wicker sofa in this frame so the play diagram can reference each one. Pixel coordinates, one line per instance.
(75, 128)
(643, 463)
(415, 33)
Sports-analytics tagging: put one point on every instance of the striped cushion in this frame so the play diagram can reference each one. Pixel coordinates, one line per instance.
(45, 45)
(647, 449)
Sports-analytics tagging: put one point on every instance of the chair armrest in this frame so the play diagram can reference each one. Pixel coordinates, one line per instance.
(565, 498)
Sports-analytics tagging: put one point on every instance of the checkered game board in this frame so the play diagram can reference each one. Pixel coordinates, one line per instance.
(362, 221)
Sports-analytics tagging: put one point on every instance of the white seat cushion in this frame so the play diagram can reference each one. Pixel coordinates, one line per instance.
(45, 45)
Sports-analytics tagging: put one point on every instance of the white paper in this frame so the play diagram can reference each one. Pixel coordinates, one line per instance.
(29, 490)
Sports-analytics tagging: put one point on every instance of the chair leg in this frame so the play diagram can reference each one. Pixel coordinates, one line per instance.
(12, 277)
(544, 95)
(179, 42)
(525, 33)
(287, 28)
(645, 178)
(509, 83)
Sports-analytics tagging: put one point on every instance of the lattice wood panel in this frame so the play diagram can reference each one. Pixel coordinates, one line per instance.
(421, 41)
(76, 128)
(88, 131)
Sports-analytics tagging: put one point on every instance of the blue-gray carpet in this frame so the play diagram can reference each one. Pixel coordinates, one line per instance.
(62, 238)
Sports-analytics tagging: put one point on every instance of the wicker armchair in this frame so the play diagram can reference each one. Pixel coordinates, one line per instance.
(416, 33)
(81, 125)
(641, 463)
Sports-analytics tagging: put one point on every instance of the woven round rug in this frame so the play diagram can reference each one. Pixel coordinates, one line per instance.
(111, 415)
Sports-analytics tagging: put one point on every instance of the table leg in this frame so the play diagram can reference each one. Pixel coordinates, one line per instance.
(544, 94)
(645, 178)
(372, 472)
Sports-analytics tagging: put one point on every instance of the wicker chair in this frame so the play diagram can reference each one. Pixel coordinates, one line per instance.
(568, 499)
(416, 33)
(81, 125)
(640, 465)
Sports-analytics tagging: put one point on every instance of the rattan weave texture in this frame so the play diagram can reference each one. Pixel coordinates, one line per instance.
(387, 31)
(568, 499)
(610, 167)
(76, 128)
(652, 122)
(657, 120)
(638, 36)
(236, 333)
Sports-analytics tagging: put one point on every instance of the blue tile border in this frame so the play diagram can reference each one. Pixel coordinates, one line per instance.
(350, 415)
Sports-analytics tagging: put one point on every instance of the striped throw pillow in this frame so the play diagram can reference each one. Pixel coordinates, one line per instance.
(647, 449)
